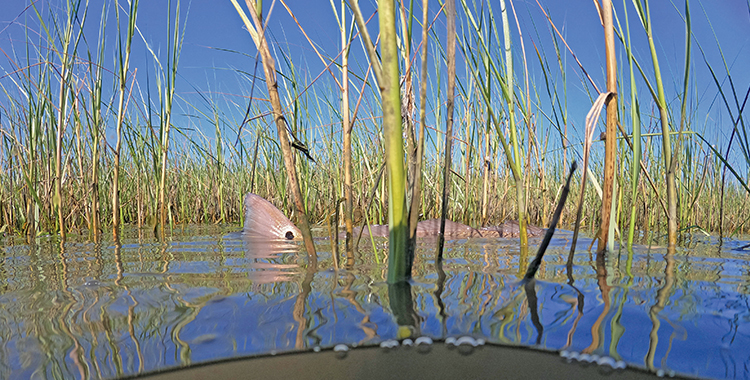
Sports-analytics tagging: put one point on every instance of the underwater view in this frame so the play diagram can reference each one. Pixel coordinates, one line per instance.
(82, 310)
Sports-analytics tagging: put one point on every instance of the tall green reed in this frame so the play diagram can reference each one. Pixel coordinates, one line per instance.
(644, 14)
(123, 61)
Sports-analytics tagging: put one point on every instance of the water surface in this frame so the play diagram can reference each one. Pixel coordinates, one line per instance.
(83, 310)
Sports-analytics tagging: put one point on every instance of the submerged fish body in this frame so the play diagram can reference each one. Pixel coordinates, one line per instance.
(511, 229)
(264, 220)
(453, 230)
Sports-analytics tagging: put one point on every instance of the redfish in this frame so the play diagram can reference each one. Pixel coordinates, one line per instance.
(264, 220)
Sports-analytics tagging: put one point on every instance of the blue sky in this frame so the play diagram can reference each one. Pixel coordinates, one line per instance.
(214, 25)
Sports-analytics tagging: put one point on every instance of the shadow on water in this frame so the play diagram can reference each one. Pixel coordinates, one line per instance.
(202, 295)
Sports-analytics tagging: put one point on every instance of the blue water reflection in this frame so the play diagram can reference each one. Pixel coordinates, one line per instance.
(111, 310)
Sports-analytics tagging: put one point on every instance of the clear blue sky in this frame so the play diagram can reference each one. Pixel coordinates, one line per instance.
(212, 25)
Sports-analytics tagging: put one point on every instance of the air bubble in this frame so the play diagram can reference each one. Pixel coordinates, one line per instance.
(564, 354)
(465, 344)
(573, 355)
(273, 352)
(423, 340)
(466, 340)
(407, 342)
(660, 373)
(606, 365)
(316, 348)
(450, 340)
(341, 350)
(391, 343)
(607, 361)
(424, 344)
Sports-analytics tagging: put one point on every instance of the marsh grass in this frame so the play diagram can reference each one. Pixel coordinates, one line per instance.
(62, 169)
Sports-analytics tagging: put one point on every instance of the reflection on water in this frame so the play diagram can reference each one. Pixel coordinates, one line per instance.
(107, 310)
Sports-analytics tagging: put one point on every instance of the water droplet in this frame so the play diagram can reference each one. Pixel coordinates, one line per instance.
(466, 340)
(407, 342)
(606, 365)
(341, 350)
(423, 340)
(585, 358)
(424, 344)
(607, 361)
(316, 348)
(391, 343)
(573, 355)
(465, 345)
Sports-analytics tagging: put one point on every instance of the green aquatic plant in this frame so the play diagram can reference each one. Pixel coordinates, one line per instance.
(123, 61)
(387, 74)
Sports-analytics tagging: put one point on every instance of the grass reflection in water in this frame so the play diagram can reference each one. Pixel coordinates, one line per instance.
(113, 310)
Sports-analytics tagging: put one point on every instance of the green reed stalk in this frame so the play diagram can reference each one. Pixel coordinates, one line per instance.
(514, 154)
(412, 144)
(486, 89)
(399, 262)
(123, 68)
(96, 124)
(35, 115)
(469, 136)
(526, 111)
(660, 99)
(220, 164)
(635, 119)
(166, 96)
(66, 55)
(685, 83)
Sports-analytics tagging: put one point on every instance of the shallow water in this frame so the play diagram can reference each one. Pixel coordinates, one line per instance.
(109, 310)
